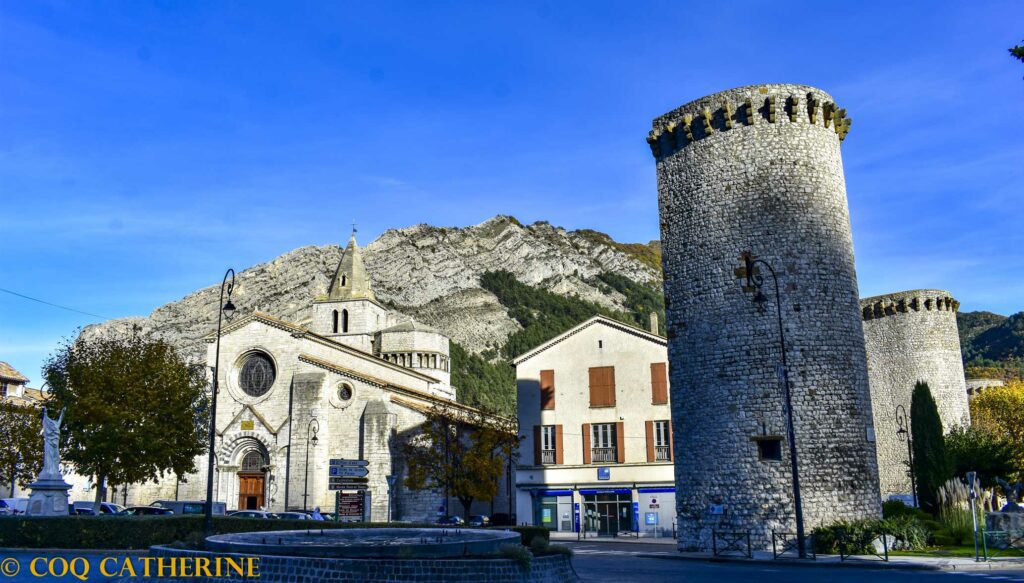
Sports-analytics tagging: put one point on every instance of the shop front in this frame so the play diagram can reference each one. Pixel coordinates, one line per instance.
(553, 509)
(608, 512)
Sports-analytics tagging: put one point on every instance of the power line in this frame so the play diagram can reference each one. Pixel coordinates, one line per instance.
(14, 293)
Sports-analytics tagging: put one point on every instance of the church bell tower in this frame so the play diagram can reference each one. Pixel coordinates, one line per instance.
(350, 313)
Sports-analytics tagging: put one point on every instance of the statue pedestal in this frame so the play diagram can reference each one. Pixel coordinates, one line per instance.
(49, 497)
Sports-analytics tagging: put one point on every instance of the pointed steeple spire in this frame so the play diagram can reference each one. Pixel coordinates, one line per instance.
(350, 280)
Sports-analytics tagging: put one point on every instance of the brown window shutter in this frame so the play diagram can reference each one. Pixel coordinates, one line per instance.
(659, 384)
(559, 451)
(620, 443)
(547, 389)
(536, 445)
(671, 449)
(586, 443)
(649, 426)
(611, 385)
(602, 386)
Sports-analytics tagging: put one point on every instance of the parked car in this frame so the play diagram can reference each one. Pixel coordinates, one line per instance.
(479, 520)
(451, 520)
(14, 505)
(190, 506)
(147, 511)
(106, 508)
(252, 514)
(292, 516)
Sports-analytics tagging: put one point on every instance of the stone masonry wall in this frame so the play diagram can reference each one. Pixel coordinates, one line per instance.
(911, 336)
(274, 569)
(759, 169)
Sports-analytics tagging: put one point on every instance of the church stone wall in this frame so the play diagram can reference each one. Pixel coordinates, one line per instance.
(759, 169)
(911, 336)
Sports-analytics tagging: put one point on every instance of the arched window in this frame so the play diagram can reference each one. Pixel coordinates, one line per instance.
(343, 281)
(344, 321)
(334, 318)
(253, 462)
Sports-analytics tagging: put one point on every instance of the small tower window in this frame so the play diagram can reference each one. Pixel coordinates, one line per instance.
(343, 279)
(769, 448)
(334, 318)
(344, 321)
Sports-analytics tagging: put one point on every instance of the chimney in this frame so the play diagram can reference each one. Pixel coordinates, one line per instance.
(654, 322)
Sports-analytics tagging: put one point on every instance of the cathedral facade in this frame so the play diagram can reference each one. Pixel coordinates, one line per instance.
(350, 385)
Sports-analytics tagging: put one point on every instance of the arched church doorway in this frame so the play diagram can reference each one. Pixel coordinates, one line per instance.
(252, 478)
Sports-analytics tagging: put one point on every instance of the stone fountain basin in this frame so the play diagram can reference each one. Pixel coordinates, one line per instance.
(365, 543)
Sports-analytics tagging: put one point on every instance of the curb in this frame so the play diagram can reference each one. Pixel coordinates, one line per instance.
(99, 552)
(855, 564)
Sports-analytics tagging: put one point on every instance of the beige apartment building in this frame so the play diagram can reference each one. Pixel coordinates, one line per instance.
(593, 405)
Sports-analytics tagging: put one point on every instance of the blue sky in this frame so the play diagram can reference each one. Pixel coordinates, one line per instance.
(147, 146)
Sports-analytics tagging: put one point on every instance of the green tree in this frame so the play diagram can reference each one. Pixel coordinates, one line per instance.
(135, 409)
(456, 450)
(1017, 52)
(931, 467)
(21, 445)
(975, 449)
(1000, 411)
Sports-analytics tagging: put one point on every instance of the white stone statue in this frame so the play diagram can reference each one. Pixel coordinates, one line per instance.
(51, 445)
(50, 492)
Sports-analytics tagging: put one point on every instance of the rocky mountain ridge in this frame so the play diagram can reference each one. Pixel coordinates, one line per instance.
(430, 273)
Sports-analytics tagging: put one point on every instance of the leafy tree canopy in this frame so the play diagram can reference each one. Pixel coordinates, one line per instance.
(135, 409)
(978, 450)
(461, 453)
(21, 446)
(1000, 411)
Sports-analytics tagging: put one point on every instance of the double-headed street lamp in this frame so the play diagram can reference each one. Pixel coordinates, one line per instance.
(314, 428)
(756, 280)
(903, 423)
(223, 309)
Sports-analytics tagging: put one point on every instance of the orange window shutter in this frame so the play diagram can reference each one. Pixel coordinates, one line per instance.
(620, 443)
(659, 384)
(595, 387)
(586, 443)
(649, 429)
(559, 450)
(547, 389)
(536, 445)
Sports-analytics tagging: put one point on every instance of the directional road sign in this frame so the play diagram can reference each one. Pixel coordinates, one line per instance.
(349, 463)
(347, 484)
(348, 471)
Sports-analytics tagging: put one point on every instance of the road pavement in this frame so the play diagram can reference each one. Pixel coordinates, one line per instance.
(601, 562)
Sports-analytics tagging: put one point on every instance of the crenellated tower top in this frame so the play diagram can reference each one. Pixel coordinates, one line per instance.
(742, 107)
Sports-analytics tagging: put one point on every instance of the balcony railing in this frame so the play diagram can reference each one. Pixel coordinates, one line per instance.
(603, 454)
(661, 453)
(547, 456)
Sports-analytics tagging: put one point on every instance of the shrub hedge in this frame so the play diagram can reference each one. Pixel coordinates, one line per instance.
(528, 533)
(142, 532)
(909, 532)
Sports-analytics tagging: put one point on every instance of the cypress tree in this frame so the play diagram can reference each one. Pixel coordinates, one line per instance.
(931, 466)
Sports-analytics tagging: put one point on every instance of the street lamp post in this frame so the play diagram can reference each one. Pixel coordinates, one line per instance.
(756, 280)
(391, 489)
(903, 423)
(314, 427)
(223, 308)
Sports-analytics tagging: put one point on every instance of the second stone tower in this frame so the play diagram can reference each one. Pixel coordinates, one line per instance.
(757, 170)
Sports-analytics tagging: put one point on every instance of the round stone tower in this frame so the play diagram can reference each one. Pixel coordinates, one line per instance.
(758, 169)
(911, 336)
